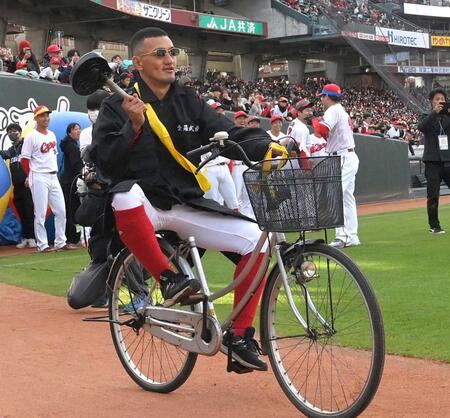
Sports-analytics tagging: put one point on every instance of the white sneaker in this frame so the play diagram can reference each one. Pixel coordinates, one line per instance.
(22, 244)
(32, 243)
(337, 243)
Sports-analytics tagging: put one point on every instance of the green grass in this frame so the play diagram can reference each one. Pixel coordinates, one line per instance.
(405, 264)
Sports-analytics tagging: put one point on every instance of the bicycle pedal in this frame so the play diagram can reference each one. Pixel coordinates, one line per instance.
(238, 368)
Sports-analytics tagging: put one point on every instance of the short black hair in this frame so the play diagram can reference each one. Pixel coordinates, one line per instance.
(115, 56)
(141, 35)
(72, 52)
(13, 127)
(335, 99)
(437, 91)
(70, 126)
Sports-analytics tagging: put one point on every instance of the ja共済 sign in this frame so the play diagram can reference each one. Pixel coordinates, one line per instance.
(246, 27)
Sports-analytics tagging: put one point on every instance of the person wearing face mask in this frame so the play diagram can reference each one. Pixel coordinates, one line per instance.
(22, 195)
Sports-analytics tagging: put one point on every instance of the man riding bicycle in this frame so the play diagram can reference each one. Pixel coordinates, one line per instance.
(141, 142)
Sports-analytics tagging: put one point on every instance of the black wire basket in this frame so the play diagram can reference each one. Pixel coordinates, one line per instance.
(296, 194)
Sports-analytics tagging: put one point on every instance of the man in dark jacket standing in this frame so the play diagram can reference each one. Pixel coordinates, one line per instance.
(22, 195)
(144, 139)
(71, 169)
(436, 156)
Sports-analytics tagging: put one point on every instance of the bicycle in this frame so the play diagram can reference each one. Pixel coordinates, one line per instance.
(320, 323)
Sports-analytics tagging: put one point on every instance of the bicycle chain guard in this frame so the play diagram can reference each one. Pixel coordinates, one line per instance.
(183, 329)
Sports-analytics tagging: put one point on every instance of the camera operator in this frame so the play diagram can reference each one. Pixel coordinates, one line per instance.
(436, 156)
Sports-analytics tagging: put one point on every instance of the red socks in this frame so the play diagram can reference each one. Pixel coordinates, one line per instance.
(137, 233)
(247, 315)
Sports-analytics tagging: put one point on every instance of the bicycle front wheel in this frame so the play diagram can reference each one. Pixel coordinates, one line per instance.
(152, 363)
(331, 365)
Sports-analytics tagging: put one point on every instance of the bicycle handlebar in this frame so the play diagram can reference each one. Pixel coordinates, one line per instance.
(220, 143)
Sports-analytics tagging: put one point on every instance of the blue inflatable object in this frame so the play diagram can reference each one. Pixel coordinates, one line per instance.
(5, 188)
(10, 229)
(59, 122)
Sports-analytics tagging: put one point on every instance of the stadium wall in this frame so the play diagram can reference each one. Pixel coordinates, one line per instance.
(383, 175)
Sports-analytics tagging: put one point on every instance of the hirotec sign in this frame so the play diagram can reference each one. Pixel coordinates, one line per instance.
(405, 38)
(440, 41)
(226, 24)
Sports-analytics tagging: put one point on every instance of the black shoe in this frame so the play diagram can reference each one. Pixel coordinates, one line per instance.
(437, 231)
(245, 350)
(101, 302)
(176, 286)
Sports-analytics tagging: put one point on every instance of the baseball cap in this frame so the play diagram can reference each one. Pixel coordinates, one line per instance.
(215, 105)
(303, 104)
(41, 109)
(275, 118)
(253, 118)
(53, 48)
(55, 60)
(331, 90)
(282, 99)
(240, 114)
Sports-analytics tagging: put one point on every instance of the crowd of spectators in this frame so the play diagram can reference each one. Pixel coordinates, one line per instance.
(356, 11)
(373, 111)
(257, 98)
(54, 67)
(306, 7)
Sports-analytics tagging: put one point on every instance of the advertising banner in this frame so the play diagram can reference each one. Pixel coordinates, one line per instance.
(137, 8)
(440, 41)
(405, 38)
(423, 70)
(226, 24)
(426, 10)
(365, 36)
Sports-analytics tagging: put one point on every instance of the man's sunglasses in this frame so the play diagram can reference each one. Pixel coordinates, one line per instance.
(161, 52)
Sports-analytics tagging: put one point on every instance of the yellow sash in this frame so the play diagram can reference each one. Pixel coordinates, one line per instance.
(161, 132)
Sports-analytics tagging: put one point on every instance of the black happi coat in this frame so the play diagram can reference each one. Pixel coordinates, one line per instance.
(128, 159)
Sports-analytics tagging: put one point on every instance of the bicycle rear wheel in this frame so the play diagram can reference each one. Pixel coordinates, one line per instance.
(334, 366)
(151, 362)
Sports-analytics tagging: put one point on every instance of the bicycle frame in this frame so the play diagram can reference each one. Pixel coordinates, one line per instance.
(275, 240)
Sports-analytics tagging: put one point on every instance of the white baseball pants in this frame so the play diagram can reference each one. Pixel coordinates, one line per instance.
(222, 186)
(46, 191)
(349, 165)
(245, 206)
(212, 231)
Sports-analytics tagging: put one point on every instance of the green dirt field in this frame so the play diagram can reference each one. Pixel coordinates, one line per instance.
(405, 264)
